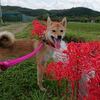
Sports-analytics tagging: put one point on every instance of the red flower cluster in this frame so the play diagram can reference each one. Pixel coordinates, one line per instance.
(38, 28)
(94, 87)
(82, 59)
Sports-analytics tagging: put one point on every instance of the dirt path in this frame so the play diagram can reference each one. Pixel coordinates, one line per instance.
(14, 27)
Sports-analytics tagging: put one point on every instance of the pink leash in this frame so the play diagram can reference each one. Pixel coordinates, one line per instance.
(7, 64)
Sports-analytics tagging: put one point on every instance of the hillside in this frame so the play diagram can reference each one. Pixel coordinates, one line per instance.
(29, 12)
(79, 11)
(72, 14)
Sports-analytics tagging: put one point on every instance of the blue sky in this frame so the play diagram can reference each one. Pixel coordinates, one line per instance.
(53, 4)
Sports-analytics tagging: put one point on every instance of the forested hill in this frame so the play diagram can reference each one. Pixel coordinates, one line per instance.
(29, 12)
(72, 13)
(79, 11)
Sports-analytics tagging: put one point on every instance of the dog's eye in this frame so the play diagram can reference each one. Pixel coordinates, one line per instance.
(53, 31)
(61, 30)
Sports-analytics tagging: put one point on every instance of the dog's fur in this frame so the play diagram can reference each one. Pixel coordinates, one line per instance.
(55, 30)
(7, 39)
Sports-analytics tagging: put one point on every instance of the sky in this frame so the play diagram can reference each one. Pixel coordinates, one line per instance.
(53, 4)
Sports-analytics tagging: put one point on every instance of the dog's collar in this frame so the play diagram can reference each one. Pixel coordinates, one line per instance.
(47, 42)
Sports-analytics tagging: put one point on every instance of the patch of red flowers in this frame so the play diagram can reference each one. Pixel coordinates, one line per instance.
(38, 28)
(82, 59)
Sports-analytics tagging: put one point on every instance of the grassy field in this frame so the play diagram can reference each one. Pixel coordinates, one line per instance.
(87, 31)
(14, 27)
(19, 82)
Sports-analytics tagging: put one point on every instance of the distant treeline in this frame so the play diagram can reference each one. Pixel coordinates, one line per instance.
(74, 14)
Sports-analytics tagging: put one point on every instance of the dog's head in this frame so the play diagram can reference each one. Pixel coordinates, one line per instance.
(56, 31)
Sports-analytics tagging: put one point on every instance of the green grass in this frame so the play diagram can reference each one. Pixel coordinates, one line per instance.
(88, 31)
(26, 33)
(4, 24)
(19, 82)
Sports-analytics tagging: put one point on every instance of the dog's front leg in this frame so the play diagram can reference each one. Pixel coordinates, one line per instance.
(40, 73)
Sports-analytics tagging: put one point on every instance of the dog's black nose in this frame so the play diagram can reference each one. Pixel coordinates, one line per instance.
(59, 37)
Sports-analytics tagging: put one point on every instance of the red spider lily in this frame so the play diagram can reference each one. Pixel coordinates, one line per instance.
(38, 28)
(94, 87)
(82, 59)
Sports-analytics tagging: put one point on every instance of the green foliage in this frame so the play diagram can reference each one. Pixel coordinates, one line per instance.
(85, 31)
(39, 96)
(26, 32)
(16, 83)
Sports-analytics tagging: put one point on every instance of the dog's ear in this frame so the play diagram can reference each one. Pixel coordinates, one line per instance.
(49, 22)
(64, 22)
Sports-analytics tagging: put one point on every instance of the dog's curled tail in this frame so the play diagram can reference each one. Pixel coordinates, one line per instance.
(7, 39)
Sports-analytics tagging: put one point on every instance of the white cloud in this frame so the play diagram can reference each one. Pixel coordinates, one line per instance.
(53, 4)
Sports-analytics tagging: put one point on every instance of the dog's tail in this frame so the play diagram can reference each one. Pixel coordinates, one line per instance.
(7, 39)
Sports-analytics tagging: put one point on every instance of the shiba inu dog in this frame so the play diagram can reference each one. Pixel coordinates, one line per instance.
(52, 38)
